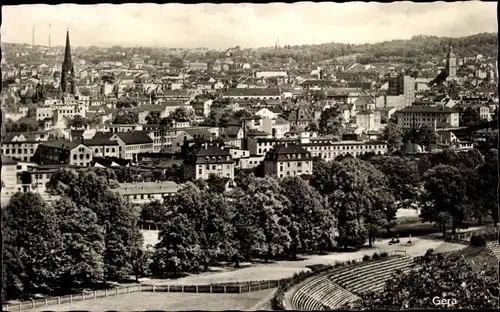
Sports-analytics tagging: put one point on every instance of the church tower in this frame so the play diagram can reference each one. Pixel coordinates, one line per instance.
(68, 70)
(451, 62)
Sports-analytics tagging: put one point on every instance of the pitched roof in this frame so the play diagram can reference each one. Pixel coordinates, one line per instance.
(8, 161)
(134, 137)
(61, 144)
(427, 109)
(279, 152)
(200, 134)
(232, 131)
(252, 92)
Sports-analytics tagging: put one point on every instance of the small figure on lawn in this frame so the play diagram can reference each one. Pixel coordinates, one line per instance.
(409, 242)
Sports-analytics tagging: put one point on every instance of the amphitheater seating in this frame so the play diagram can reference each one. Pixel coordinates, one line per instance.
(339, 287)
(371, 276)
(319, 293)
(494, 249)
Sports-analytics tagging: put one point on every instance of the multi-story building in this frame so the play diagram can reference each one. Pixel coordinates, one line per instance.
(40, 113)
(369, 120)
(22, 146)
(60, 152)
(288, 160)
(414, 117)
(404, 85)
(13, 180)
(142, 193)
(130, 144)
(329, 150)
(208, 158)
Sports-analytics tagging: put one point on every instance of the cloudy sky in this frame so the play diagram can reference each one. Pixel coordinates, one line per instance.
(247, 25)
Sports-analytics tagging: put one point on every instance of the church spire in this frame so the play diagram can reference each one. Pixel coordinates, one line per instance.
(68, 71)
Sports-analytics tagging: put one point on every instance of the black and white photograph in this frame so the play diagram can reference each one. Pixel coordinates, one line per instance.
(273, 156)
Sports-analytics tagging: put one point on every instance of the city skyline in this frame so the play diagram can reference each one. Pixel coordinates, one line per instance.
(247, 25)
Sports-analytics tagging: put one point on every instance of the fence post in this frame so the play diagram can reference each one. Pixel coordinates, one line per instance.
(182, 288)
(32, 303)
(248, 287)
(196, 288)
(20, 306)
(154, 288)
(140, 287)
(58, 300)
(210, 288)
(46, 302)
(95, 294)
(105, 292)
(168, 288)
(70, 298)
(226, 289)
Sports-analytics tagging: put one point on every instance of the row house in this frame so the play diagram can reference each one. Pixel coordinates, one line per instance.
(208, 158)
(22, 146)
(102, 146)
(146, 192)
(288, 160)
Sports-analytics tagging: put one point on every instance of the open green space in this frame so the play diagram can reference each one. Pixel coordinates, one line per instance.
(144, 301)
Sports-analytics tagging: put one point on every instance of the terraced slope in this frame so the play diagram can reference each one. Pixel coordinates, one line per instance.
(494, 248)
(335, 289)
(319, 293)
(371, 276)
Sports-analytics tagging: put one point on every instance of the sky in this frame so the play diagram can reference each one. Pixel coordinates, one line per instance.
(218, 26)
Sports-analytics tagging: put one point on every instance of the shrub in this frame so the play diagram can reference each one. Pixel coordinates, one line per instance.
(366, 257)
(477, 241)
(383, 254)
(376, 256)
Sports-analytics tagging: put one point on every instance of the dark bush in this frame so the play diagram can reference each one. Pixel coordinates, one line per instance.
(366, 257)
(376, 256)
(477, 241)
(383, 254)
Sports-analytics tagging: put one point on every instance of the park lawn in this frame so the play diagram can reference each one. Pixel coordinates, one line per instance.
(143, 301)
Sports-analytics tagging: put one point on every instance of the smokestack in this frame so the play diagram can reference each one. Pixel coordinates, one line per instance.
(33, 37)
(49, 35)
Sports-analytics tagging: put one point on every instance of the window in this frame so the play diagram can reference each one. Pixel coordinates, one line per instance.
(213, 167)
(81, 156)
(88, 156)
(199, 171)
(97, 150)
(74, 157)
(19, 167)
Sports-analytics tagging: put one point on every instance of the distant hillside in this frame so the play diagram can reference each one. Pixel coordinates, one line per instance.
(416, 50)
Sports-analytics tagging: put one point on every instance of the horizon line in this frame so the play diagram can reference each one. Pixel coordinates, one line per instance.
(243, 48)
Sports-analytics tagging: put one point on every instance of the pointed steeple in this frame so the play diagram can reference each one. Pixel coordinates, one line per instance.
(68, 71)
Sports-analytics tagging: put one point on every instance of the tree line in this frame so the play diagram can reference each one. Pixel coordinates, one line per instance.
(90, 234)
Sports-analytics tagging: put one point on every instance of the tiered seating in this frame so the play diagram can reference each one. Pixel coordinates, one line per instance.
(495, 249)
(370, 276)
(319, 293)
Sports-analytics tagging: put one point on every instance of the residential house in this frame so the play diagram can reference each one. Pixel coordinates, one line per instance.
(208, 158)
(288, 160)
(22, 146)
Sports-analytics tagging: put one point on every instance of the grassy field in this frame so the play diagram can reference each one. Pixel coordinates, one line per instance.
(144, 301)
